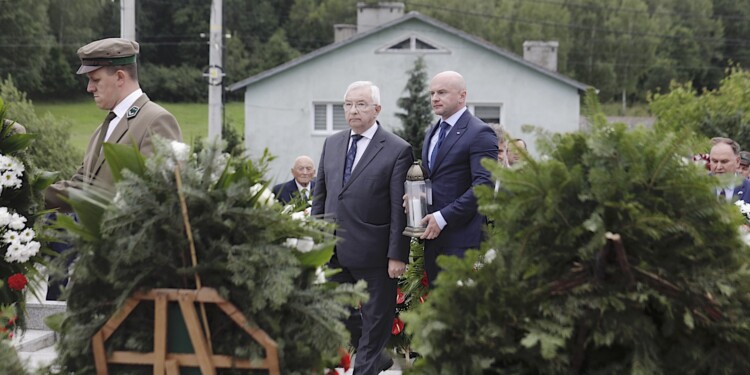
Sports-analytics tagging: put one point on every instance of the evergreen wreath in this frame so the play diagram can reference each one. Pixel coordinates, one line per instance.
(611, 256)
(136, 241)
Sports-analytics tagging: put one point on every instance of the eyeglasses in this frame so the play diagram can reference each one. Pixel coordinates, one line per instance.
(361, 106)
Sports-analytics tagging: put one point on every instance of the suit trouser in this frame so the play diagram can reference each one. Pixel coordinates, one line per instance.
(430, 260)
(370, 327)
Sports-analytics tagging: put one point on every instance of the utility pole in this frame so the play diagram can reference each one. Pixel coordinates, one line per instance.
(127, 19)
(215, 71)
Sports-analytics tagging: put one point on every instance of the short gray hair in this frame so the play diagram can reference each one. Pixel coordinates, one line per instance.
(373, 89)
(727, 141)
(499, 131)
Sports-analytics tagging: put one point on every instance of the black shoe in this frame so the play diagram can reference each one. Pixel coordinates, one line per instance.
(385, 364)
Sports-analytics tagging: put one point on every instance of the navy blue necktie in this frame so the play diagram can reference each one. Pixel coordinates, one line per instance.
(444, 126)
(350, 156)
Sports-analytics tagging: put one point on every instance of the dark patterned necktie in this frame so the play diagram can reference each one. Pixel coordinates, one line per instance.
(350, 156)
(444, 126)
(102, 134)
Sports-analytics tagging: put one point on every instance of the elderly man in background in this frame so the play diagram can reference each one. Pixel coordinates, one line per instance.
(725, 161)
(744, 168)
(301, 185)
(110, 65)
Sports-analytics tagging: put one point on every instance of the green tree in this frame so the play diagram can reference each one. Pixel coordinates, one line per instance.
(24, 41)
(417, 113)
(724, 111)
(51, 149)
(310, 24)
(734, 16)
(610, 256)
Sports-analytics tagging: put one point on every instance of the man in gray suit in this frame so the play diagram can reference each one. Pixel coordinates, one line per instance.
(359, 187)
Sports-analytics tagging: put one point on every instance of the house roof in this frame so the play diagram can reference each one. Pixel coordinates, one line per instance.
(411, 15)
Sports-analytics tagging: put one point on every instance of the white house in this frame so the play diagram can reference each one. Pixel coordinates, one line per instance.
(291, 108)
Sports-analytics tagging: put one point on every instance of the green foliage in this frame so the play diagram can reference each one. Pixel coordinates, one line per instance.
(560, 296)
(723, 112)
(173, 83)
(25, 39)
(239, 233)
(235, 142)
(9, 362)
(51, 149)
(417, 114)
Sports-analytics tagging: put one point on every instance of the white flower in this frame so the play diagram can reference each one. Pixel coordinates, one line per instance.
(27, 235)
(15, 252)
(299, 215)
(266, 196)
(9, 163)
(291, 243)
(11, 236)
(17, 222)
(320, 276)
(305, 244)
(489, 256)
(4, 216)
(180, 151)
(10, 179)
(468, 283)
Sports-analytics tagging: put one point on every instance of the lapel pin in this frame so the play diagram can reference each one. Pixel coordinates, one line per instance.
(133, 111)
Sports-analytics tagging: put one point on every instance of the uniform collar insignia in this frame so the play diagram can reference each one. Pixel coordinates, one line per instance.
(133, 111)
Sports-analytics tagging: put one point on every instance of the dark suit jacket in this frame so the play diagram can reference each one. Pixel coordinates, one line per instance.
(287, 191)
(368, 210)
(742, 192)
(457, 169)
(143, 120)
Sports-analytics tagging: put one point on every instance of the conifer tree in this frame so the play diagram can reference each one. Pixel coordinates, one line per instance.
(416, 105)
(611, 255)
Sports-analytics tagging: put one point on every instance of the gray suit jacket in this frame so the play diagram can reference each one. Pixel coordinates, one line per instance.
(143, 120)
(368, 209)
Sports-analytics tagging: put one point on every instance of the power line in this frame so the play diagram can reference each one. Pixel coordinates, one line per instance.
(713, 16)
(453, 11)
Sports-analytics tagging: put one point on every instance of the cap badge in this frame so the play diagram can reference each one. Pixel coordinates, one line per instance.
(133, 111)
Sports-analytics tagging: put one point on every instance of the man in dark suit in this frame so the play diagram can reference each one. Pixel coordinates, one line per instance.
(359, 187)
(452, 152)
(724, 163)
(302, 185)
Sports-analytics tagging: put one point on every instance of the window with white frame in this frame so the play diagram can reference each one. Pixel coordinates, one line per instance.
(489, 113)
(329, 117)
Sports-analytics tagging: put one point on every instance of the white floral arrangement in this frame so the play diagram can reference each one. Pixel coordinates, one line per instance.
(11, 170)
(745, 228)
(18, 238)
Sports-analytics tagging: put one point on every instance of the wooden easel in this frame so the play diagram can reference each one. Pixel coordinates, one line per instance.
(170, 363)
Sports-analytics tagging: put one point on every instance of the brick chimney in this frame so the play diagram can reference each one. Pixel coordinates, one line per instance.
(543, 53)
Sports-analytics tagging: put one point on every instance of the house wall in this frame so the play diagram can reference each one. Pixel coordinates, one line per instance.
(279, 109)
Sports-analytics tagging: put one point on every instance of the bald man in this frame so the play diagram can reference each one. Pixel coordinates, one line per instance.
(453, 150)
(301, 185)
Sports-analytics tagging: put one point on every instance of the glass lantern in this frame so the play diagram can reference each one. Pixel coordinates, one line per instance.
(418, 196)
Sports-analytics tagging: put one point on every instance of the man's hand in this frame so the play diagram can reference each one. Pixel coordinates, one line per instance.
(432, 230)
(396, 268)
(406, 208)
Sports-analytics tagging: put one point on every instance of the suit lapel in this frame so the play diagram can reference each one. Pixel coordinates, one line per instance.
(120, 130)
(426, 149)
(456, 132)
(376, 144)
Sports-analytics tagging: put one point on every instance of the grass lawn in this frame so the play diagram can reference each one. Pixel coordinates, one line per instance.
(85, 117)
